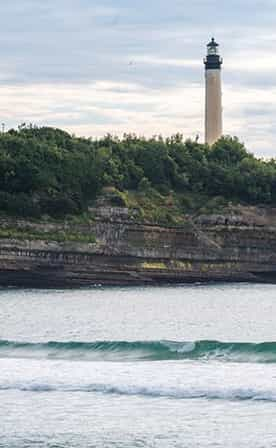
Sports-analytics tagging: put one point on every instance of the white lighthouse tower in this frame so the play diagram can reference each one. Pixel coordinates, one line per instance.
(213, 106)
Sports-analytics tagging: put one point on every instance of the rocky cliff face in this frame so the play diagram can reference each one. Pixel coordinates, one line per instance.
(239, 245)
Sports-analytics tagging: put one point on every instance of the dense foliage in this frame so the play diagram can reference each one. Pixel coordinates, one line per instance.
(47, 171)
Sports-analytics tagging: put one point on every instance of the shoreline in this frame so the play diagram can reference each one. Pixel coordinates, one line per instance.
(53, 270)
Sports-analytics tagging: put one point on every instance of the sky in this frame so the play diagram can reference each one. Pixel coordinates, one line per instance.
(94, 67)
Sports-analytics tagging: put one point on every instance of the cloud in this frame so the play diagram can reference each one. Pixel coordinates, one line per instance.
(103, 107)
(94, 66)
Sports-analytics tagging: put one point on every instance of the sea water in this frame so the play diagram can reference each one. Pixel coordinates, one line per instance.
(185, 366)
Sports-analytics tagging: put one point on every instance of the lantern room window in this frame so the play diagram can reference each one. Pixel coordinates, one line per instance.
(212, 48)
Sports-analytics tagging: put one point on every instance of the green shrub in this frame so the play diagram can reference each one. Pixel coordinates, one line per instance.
(48, 171)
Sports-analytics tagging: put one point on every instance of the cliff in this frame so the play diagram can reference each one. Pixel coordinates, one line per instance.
(114, 248)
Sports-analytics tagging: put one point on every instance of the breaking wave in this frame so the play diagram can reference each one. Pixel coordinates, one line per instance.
(180, 393)
(120, 351)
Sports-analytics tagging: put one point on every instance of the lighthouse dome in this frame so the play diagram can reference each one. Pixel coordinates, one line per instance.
(213, 60)
(212, 47)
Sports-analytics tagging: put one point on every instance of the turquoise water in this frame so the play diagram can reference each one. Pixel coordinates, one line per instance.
(186, 366)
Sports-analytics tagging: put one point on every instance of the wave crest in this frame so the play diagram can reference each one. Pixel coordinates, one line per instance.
(179, 393)
(142, 351)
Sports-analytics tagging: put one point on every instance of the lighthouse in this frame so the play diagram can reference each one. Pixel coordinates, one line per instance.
(213, 105)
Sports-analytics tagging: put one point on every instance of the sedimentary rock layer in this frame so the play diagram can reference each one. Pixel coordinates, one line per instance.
(239, 246)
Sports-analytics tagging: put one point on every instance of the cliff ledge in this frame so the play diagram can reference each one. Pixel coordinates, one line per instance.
(113, 249)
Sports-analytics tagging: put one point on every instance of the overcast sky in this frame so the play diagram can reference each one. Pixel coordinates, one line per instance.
(98, 66)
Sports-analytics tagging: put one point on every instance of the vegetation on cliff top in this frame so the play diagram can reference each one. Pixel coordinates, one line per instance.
(46, 171)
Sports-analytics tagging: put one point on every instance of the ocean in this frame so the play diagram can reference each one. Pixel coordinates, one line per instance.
(177, 366)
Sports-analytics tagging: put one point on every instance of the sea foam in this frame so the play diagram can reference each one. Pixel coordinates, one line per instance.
(148, 391)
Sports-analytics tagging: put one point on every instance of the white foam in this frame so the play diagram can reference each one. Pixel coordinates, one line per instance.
(180, 347)
(189, 380)
(155, 392)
